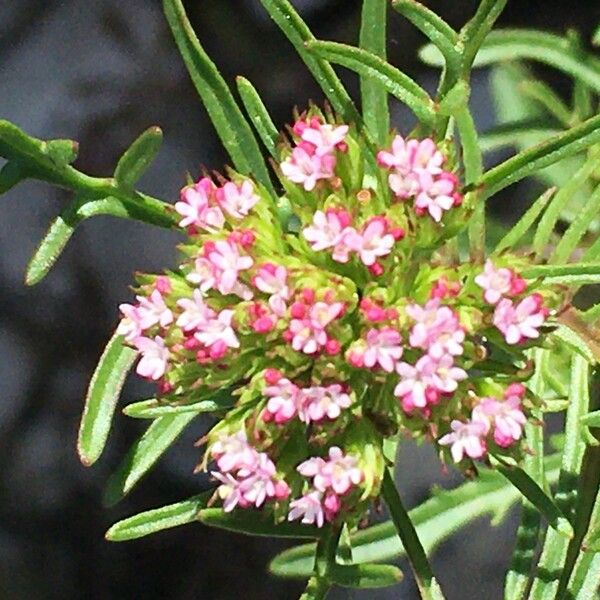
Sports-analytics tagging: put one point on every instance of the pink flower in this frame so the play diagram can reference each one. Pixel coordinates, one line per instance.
(195, 313)
(404, 186)
(383, 348)
(195, 207)
(437, 329)
(228, 263)
(465, 438)
(325, 138)
(373, 241)
(422, 384)
(272, 279)
(306, 169)
(130, 324)
(495, 282)
(153, 311)
(252, 486)
(218, 331)
(506, 416)
(436, 194)
(330, 229)
(233, 452)
(203, 275)
(522, 321)
(309, 508)
(237, 201)
(407, 156)
(283, 401)
(339, 473)
(317, 403)
(308, 334)
(155, 356)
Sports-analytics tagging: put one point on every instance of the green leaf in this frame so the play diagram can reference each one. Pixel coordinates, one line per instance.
(62, 152)
(138, 157)
(528, 162)
(368, 65)
(517, 134)
(555, 549)
(374, 95)
(256, 523)
(63, 227)
(233, 129)
(592, 419)
(367, 576)
(574, 342)
(525, 223)
(523, 44)
(435, 520)
(152, 521)
(548, 222)
(144, 453)
(537, 496)
(546, 271)
(572, 236)
(152, 409)
(298, 33)
(101, 400)
(259, 116)
(433, 26)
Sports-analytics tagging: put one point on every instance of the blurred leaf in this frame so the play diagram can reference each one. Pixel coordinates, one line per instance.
(138, 157)
(256, 523)
(144, 453)
(373, 94)
(101, 400)
(551, 151)
(575, 232)
(523, 44)
(368, 65)
(366, 576)
(152, 521)
(574, 342)
(436, 519)
(259, 116)
(233, 129)
(11, 174)
(541, 92)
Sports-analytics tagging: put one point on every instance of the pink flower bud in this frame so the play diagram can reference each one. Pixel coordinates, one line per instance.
(308, 295)
(163, 284)
(397, 233)
(376, 270)
(517, 285)
(263, 325)
(332, 347)
(272, 376)
(515, 389)
(298, 310)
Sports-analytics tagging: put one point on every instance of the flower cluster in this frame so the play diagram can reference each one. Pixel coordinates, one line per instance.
(338, 325)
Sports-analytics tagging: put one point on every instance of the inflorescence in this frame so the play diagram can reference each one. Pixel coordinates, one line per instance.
(339, 318)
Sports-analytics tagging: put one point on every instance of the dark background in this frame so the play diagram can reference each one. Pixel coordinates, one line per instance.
(101, 72)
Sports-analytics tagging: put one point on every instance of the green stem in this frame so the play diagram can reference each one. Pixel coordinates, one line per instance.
(426, 582)
(318, 585)
(316, 589)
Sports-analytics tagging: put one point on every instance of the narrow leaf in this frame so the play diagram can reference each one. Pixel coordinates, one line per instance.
(368, 65)
(152, 521)
(144, 453)
(574, 342)
(374, 95)
(572, 236)
(232, 128)
(433, 26)
(138, 157)
(525, 223)
(366, 576)
(537, 496)
(541, 92)
(517, 134)
(152, 409)
(63, 227)
(101, 400)
(298, 33)
(256, 523)
(11, 174)
(535, 271)
(259, 116)
(528, 162)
